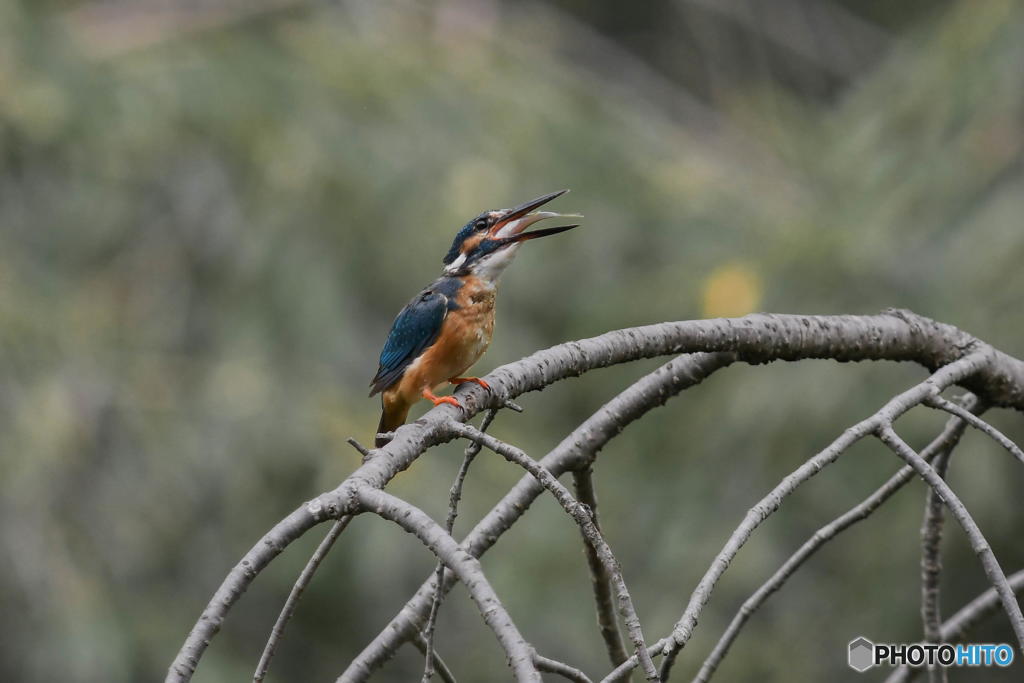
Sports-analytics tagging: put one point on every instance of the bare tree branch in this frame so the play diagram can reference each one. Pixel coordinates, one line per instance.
(963, 517)
(511, 405)
(941, 379)
(454, 496)
(581, 514)
(293, 598)
(464, 566)
(622, 671)
(583, 482)
(439, 664)
(894, 335)
(360, 448)
(562, 669)
(237, 581)
(981, 425)
(578, 449)
(943, 443)
(931, 565)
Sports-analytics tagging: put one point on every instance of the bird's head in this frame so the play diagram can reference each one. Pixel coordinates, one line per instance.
(487, 244)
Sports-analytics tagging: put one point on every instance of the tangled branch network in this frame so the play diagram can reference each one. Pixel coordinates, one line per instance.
(700, 348)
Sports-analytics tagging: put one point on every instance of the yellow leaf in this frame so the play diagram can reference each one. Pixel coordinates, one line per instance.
(732, 289)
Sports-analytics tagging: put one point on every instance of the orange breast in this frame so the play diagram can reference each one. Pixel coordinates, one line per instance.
(465, 336)
(466, 333)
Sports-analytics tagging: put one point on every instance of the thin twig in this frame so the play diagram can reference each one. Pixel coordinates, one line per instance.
(583, 482)
(931, 565)
(442, 668)
(581, 514)
(942, 378)
(511, 405)
(363, 450)
(299, 521)
(454, 496)
(981, 425)
(981, 547)
(465, 567)
(944, 442)
(293, 598)
(553, 666)
(622, 671)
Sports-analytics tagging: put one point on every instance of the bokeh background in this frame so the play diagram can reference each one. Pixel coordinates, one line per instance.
(210, 212)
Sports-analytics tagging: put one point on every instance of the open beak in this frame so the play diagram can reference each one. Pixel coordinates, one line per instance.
(543, 232)
(511, 223)
(511, 226)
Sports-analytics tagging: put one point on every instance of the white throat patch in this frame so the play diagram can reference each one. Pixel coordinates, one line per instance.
(490, 267)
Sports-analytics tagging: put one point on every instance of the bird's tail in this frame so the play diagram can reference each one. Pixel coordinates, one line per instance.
(392, 416)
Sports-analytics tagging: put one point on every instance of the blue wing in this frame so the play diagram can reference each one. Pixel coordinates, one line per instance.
(415, 329)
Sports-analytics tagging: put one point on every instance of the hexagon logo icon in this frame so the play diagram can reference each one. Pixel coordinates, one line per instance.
(862, 654)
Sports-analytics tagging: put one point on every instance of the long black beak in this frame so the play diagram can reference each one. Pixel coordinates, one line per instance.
(523, 209)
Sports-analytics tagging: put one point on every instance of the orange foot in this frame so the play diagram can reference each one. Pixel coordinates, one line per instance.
(475, 380)
(438, 400)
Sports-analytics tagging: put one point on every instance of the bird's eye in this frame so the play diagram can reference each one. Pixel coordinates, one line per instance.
(481, 224)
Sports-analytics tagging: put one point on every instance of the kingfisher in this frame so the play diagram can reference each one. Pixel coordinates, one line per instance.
(447, 327)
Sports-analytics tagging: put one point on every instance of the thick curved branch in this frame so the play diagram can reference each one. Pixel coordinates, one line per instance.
(963, 517)
(943, 443)
(581, 514)
(763, 338)
(950, 374)
(583, 482)
(464, 566)
(578, 449)
(760, 338)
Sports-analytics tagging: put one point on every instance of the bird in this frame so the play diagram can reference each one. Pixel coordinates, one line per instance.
(445, 329)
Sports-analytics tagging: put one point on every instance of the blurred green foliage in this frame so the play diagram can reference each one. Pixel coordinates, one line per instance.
(206, 226)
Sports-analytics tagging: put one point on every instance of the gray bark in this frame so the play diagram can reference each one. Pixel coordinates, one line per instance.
(996, 378)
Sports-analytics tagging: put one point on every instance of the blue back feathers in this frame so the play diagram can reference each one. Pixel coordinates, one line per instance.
(415, 329)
